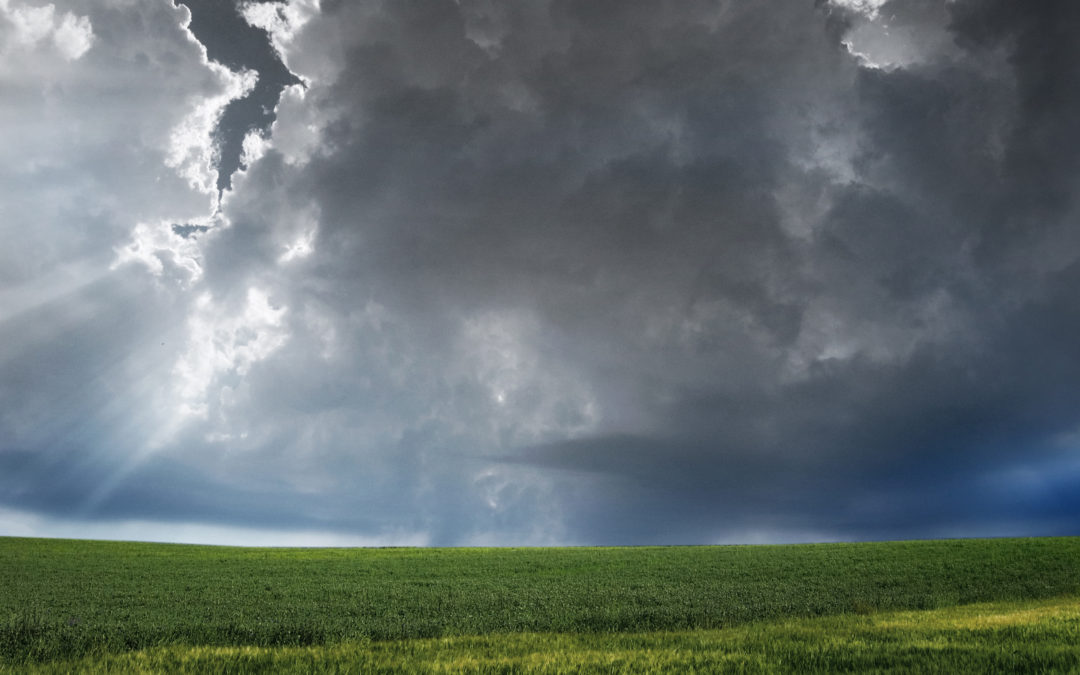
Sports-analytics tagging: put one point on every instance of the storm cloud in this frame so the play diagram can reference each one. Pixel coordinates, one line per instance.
(558, 271)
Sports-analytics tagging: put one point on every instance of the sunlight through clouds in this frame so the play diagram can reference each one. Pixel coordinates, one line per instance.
(163, 252)
(460, 271)
(224, 342)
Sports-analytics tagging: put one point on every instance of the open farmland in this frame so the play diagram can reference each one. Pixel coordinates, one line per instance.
(76, 604)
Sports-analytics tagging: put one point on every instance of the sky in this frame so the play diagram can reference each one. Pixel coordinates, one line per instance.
(550, 272)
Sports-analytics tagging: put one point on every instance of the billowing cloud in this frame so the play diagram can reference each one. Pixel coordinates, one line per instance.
(27, 26)
(569, 271)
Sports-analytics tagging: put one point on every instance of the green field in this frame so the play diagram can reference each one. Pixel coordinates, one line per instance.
(121, 607)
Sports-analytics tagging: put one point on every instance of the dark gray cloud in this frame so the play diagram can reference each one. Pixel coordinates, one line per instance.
(592, 272)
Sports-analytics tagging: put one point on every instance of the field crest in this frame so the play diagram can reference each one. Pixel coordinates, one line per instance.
(75, 602)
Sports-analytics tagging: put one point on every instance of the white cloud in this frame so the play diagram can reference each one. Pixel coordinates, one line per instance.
(868, 7)
(303, 245)
(282, 20)
(73, 36)
(296, 131)
(32, 24)
(161, 250)
(254, 147)
(192, 151)
(908, 34)
(221, 342)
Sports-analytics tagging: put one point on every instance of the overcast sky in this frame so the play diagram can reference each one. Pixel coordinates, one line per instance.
(463, 272)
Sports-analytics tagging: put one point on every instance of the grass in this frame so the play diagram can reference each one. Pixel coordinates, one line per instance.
(1034, 636)
(67, 605)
